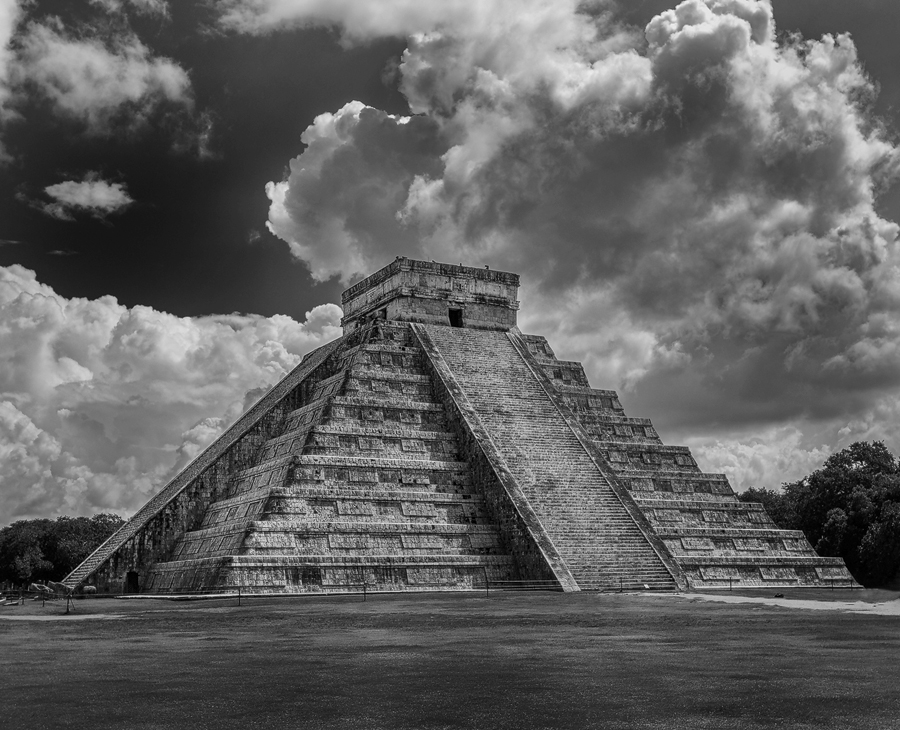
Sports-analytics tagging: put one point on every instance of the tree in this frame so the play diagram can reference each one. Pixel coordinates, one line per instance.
(22, 557)
(776, 504)
(37, 550)
(849, 508)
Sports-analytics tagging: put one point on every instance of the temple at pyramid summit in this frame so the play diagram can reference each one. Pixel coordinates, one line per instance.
(435, 447)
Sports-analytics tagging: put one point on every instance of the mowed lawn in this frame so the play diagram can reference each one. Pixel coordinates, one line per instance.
(536, 660)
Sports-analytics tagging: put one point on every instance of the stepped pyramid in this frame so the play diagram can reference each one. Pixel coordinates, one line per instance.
(434, 446)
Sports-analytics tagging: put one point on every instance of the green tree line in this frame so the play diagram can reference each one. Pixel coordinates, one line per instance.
(39, 550)
(850, 508)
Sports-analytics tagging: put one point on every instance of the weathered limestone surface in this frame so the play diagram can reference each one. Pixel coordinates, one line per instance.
(599, 540)
(714, 538)
(423, 291)
(434, 446)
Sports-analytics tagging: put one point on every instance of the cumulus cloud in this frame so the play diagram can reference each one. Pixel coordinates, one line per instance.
(10, 14)
(338, 208)
(691, 205)
(101, 403)
(92, 195)
(99, 82)
(767, 457)
(158, 8)
(100, 75)
(362, 21)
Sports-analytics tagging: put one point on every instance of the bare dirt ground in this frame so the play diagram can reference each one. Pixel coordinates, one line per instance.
(538, 660)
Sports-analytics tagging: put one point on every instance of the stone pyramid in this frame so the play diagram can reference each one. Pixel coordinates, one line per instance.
(435, 447)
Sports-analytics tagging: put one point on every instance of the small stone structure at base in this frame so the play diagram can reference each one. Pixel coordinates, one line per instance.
(435, 447)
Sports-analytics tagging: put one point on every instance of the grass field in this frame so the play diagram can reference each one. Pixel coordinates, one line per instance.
(537, 660)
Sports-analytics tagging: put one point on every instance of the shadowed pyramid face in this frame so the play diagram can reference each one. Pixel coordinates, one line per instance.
(434, 446)
(430, 293)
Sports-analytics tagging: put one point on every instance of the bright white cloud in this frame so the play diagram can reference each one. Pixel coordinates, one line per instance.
(99, 403)
(93, 195)
(692, 207)
(767, 457)
(362, 21)
(98, 82)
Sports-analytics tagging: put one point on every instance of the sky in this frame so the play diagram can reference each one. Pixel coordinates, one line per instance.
(700, 198)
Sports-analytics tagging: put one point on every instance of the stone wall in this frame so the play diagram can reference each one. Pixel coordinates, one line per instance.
(421, 291)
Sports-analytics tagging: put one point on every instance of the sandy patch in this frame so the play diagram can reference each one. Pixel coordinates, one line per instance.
(888, 608)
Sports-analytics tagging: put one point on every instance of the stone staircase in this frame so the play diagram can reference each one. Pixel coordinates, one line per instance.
(600, 542)
(716, 539)
(364, 485)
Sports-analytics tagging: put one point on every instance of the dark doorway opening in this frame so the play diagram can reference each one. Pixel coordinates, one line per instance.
(131, 582)
(456, 318)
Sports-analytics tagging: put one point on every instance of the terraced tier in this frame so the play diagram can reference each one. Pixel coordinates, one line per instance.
(365, 484)
(433, 446)
(714, 538)
(333, 573)
(647, 486)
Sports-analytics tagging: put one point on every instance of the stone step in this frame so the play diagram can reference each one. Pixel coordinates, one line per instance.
(461, 484)
(587, 402)
(698, 504)
(275, 561)
(647, 456)
(388, 448)
(564, 372)
(330, 386)
(381, 430)
(615, 429)
(761, 560)
(306, 416)
(397, 494)
(376, 401)
(348, 526)
(569, 494)
(400, 444)
(289, 443)
(399, 410)
(772, 533)
(384, 387)
(362, 371)
(371, 462)
(374, 428)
